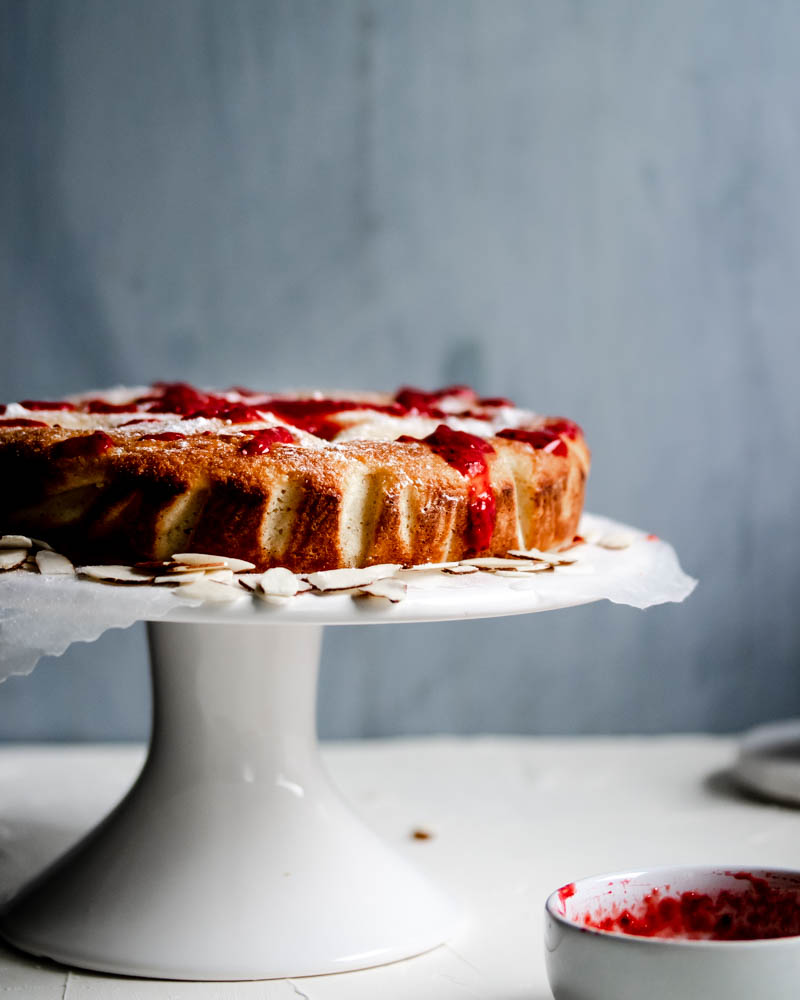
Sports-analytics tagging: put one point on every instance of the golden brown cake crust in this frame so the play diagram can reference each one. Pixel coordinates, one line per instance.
(307, 505)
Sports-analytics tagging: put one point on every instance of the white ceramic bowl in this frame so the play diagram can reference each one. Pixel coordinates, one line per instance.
(586, 962)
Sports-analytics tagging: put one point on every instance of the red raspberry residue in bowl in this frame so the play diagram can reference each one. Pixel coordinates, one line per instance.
(564, 893)
(761, 909)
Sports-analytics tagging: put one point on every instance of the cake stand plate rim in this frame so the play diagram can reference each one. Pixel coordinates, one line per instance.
(455, 598)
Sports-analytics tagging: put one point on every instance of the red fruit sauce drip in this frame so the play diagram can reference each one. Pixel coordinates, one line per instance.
(494, 401)
(762, 911)
(542, 440)
(38, 404)
(426, 403)
(141, 420)
(184, 400)
(102, 406)
(262, 441)
(327, 429)
(467, 454)
(221, 409)
(21, 422)
(561, 425)
(85, 446)
(181, 398)
(314, 415)
(652, 538)
(163, 436)
(239, 414)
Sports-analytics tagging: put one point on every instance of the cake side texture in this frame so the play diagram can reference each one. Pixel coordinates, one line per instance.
(306, 481)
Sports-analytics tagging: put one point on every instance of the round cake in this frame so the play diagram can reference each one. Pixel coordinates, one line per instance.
(311, 481)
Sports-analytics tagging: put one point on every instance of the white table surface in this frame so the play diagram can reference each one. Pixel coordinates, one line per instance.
(511, 820)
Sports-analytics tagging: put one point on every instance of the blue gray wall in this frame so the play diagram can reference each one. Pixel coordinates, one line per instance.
(592, 207)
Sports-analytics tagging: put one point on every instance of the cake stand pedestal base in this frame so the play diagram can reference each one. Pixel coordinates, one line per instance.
(232, 857)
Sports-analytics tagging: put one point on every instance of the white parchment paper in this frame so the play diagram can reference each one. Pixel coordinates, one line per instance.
(42, 616)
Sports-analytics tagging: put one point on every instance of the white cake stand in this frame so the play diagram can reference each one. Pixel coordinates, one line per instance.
(233, 857)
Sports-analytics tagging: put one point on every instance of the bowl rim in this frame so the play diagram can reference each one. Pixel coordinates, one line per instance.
(551, 908)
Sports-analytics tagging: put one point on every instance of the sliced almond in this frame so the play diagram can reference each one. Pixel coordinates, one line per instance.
(12, 558)
(179, 569)
(554, 558)
(239, 565)
(114, 574)
(42, 545)
(391, 590)
(279, 582)
(425, 567)
(531, 554)
(249, 581)
(162, 566)
(530, 570)
(220, 575)
(616, 540)
(180, 579)
(54, 564)
(199, 559)
(347, 579)
(15, 542)
(493, 562)
(210, 562)
(339, 592)
(460, 569)
(209, 590)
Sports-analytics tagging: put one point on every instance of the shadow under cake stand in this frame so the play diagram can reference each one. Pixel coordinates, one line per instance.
(232, 856)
